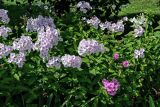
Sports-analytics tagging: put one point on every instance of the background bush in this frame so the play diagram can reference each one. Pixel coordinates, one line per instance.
(35, 85)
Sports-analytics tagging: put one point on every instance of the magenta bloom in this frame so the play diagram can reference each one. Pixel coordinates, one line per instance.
(111, 86)
(125, 64)
(116, 56)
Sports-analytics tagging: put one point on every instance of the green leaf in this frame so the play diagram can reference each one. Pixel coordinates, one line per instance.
(151, 102)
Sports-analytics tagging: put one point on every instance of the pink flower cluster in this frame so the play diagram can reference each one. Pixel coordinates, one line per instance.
(111, 86)
(125, 64)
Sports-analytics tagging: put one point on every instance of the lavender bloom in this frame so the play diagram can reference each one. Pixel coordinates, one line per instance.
(71, 61)
(4, 16)
(138, 31)
(111, 86)
(89, 46)
(139, 53)
(125, 64)
(4, 31)
(39, 23)
(46, 40)
(117, 27)
(5, 50)
(105, 25)
(116, 56)
(84, 6)
(54, 62)
(19, 59)
(94, 21)
(23, 44)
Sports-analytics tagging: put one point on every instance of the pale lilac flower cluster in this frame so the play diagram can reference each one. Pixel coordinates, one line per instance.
(47, 38)
(23, 44)
(111, 86)
(4, 31)
(113, 27)
(71, 61)
(117, 27)
(138, 31)
(105, 25)
(139, 53)
(94, 21)
(5, 50)
(54, 62)
(39, 23)
(89, 46)
(19, 59)
(84, 6)
(4, 16)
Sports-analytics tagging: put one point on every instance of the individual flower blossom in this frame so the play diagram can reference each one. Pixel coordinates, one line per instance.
(138, 31)
(117, 27)
(47, 38)
(84, 6)
(94, 21)
(39, 23)
(23, 44)
(125, 18)
(18, 59)
(5, 50)
(139, 53)
(54, 62)
(125, 64)
(89, 46)
(4, 16)
(71, 61)
(116, 56)
(105, 25)
(4, 31)
(111, 86)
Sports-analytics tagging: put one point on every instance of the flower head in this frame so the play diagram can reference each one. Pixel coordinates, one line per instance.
(139, 53)
(116, 56)
(84, 6)
(71, 61)
(23, 44)
(5, 50)
(4, 16)
(125, 64)
(54, 62)
(39, 23)
(4, 31)
(47, 38)
(111, 86)
(138, 31)
(94, 21)
(89, 46)
(19, 59)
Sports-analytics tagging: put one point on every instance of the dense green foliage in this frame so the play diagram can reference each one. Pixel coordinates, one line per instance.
(35, 85)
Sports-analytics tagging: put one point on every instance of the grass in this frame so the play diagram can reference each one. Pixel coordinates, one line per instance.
(146, 6)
